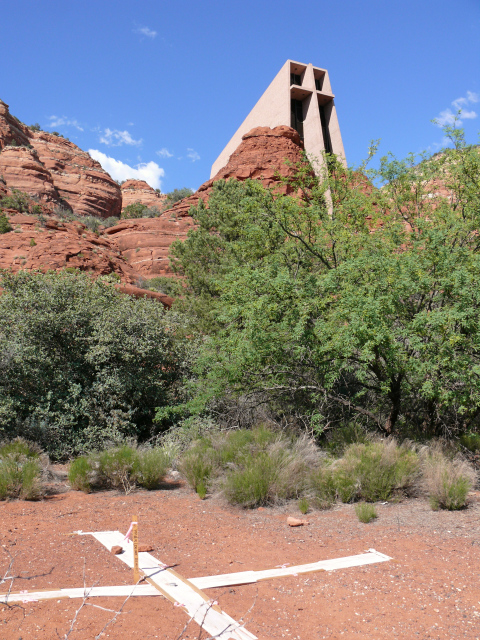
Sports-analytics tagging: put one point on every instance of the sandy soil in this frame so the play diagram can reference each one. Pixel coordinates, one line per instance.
(430, 590)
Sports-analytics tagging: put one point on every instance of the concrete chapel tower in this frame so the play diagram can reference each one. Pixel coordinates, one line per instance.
(300, 96)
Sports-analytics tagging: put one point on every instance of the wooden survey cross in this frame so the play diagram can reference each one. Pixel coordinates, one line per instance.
(188, 594)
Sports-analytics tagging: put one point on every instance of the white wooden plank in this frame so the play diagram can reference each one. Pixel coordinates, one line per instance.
(179, 590)
(247, 577)
(92, 592)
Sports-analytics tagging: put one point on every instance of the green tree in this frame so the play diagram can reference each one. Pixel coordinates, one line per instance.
(82, 365)
(5, 225)
(354, 301)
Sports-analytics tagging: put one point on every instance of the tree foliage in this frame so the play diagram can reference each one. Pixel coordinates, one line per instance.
(354, 301)
(82, 365)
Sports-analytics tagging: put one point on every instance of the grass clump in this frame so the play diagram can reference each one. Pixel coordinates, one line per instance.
(123, 467)
(80, 474)
(21, 469)
(322, 483)
(303, 505)
(197, 465)
(446, 480)
(376, 471)
(117, 467)
(365, 512)
(151, 467)
(250, 467)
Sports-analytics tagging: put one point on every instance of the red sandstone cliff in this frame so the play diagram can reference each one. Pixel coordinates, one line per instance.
(54, 169)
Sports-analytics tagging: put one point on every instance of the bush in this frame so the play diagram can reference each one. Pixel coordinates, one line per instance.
(151, 467)
(110, 221)
(251, 467)
(21, 467)
(446, 480)
(5, 226)
(18, 200)
(251, 485)
(83, 365)
(197, 466)
(80, 474)
(176, 195)
(123, 467)
(470, 441)
(139, 210)
(365, 512)
(377, 470)
(323, 487)
(117, 467)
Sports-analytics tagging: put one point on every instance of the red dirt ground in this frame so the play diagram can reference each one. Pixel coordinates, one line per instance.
(430, 590)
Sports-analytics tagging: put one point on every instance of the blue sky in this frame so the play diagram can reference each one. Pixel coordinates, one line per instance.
(156, 89)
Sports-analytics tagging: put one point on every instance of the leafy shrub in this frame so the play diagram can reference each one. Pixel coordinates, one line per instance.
(92, 222)
(82, 364)
(80, 474)
(139, 210)
(446, 480)
(176, 195)
(21, 466)
(5, 226)
(470, 441)
(110, 221)
(35, 127)
(32, 242)
(151, 467)
(18, 200)
(365, 512)
(169, 286)
(377, 470)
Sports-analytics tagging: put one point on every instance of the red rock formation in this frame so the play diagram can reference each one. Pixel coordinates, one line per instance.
(145, 242)
(140, 191)
(56, 170)
(262, 153)
(21, 169)
(57, 245)
(11, 129)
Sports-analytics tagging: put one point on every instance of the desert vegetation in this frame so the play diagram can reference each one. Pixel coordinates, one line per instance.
(320, 349)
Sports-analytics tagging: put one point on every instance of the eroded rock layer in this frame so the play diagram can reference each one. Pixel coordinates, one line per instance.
(139, 191)
(55, 170)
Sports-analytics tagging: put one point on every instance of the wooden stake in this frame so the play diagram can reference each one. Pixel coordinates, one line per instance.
(136, 572)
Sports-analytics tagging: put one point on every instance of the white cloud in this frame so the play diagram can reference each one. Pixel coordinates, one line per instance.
(148, 171)
(145, 31)
(447, 116)
(58, 121)
(115, 138)
(192, 155)
(164, 153)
